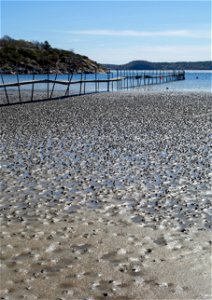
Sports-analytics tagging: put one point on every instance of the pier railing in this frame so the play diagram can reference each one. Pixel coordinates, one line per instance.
(17, 89)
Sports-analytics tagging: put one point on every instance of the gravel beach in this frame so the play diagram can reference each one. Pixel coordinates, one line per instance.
(107, 196)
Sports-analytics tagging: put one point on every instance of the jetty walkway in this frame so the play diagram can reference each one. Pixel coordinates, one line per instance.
(19, 89)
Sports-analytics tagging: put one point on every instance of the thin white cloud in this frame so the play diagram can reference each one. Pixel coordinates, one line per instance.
(133, 33)
(154, 53)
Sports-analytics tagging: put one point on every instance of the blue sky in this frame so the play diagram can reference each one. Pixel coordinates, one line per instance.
(115, 31)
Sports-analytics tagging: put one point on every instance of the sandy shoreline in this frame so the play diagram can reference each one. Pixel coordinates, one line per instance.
(107, 196)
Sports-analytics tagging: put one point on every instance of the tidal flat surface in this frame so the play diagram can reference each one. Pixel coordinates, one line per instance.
(107, 196)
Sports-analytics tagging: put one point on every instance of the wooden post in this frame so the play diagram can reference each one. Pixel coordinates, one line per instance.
(33, 78)
(95, 80)
(5, 89)
(67, 89)
(48, 83)
(108, 82)
(84, 81)
(81, 83)
(19, 89)
(133, 78)
(70, 76)
(53, 87)
(128, 79)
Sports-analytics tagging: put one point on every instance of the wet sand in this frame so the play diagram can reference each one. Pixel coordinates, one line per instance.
(107, 196)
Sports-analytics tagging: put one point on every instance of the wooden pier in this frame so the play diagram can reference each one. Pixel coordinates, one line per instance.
(24, 91)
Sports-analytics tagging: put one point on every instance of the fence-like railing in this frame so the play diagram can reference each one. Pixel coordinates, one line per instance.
(17, 89)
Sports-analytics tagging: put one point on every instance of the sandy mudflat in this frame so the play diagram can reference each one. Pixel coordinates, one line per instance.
(107, 196)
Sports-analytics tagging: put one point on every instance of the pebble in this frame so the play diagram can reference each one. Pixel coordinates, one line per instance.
(122, 251)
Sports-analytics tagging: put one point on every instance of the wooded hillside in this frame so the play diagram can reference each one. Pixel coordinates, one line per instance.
(35, 57)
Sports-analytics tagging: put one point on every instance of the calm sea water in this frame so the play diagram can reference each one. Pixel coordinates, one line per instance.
(196, 81)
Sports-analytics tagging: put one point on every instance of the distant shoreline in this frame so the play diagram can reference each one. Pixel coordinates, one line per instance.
(147, 65)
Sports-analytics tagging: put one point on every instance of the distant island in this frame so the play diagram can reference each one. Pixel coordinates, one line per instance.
(146, 65)
(27, 57)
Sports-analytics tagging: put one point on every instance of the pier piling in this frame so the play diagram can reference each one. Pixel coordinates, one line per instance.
(124, 79)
